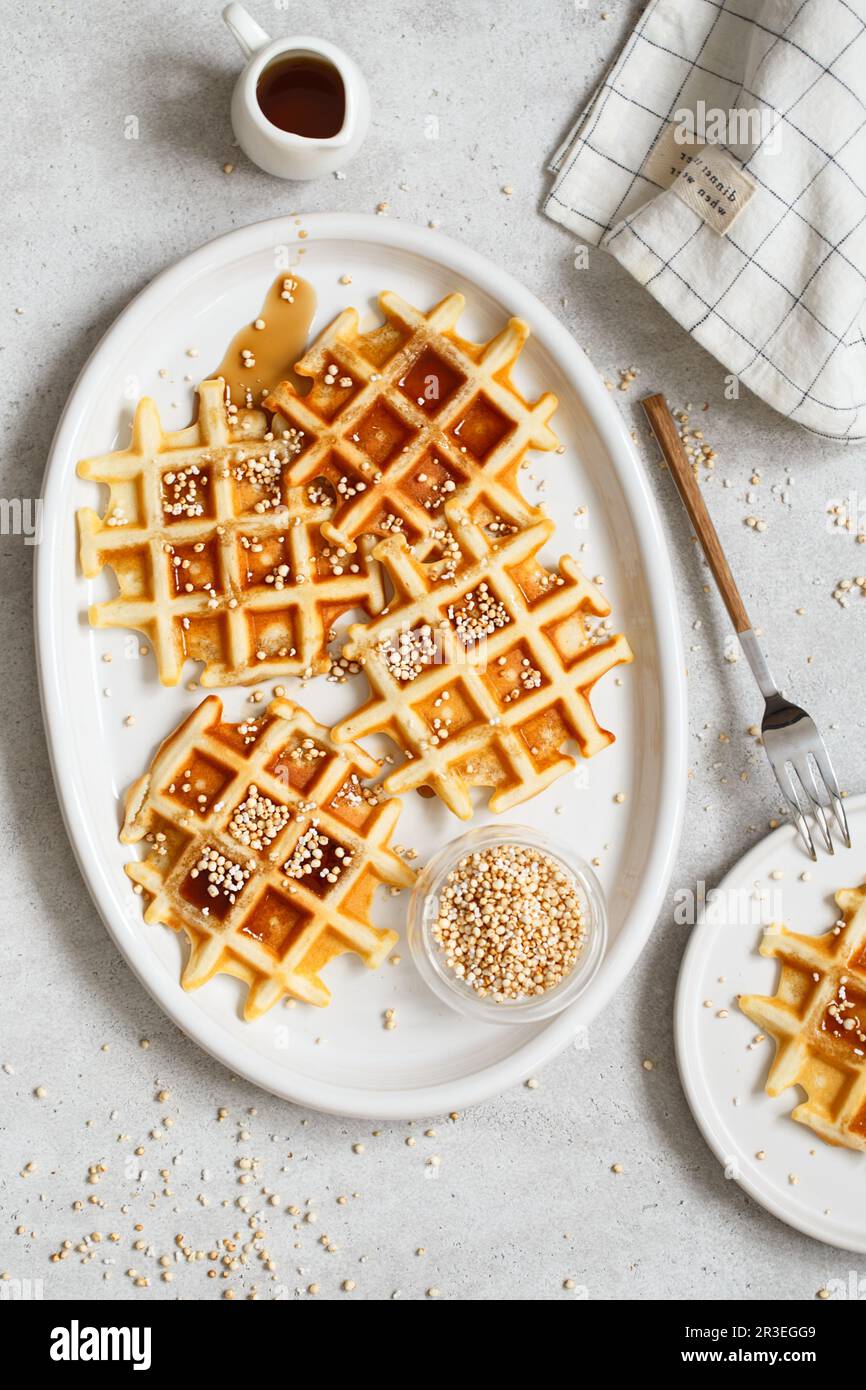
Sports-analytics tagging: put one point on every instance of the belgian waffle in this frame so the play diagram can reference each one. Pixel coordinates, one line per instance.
(215, 557)
(818, 1021)
(399, 418)
(481, 678)
(265, 848)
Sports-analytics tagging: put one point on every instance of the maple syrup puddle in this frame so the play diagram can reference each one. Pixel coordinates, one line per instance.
(274, 348)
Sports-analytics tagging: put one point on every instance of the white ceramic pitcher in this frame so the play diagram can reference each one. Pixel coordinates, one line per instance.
(277, 151)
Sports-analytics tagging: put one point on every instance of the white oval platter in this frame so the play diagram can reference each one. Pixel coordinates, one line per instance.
(342, 1060)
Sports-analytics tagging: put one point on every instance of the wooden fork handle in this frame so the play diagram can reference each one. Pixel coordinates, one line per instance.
(665, 430)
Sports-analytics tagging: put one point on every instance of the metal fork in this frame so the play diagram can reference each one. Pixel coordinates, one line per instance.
(794, 746)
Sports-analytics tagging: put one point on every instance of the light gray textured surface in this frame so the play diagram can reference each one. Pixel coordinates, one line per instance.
(524, 1197)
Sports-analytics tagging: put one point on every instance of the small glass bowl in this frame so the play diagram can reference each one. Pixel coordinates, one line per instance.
(430, 958)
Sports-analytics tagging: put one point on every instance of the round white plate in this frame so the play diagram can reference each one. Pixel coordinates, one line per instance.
(342, 1059)
(724, 1070)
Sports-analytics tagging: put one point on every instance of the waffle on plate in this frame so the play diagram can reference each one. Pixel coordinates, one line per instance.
(481, 678)
(265, 846)
(817, 1018)
(216, 558)
(399, 418)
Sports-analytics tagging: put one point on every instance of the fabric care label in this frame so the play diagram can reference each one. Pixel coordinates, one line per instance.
(705, 177)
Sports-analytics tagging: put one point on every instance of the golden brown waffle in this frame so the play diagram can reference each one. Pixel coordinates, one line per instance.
(480, 679)
(266, 848)
(399, 418)
(215, 558)
(818, 1020)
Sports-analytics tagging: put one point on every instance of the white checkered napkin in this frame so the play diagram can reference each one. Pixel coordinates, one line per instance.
(776, 291)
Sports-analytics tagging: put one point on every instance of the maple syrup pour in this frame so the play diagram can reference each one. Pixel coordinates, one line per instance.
(275, 348)
(303, 96)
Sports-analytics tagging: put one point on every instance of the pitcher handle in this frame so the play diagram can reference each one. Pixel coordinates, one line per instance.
(249, 35)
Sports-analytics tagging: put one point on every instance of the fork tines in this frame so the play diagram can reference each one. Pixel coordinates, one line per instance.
(804, 772)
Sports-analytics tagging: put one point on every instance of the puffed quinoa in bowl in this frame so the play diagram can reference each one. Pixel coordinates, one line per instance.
(507, 926)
